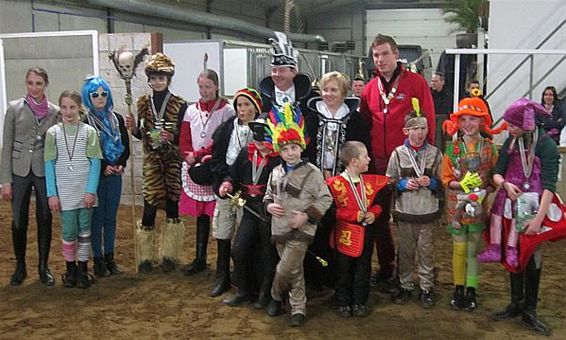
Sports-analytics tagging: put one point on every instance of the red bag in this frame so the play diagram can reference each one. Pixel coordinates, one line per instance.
(553, 229)
(350, 238)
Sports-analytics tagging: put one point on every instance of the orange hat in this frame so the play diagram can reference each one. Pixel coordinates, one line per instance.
(472, 106)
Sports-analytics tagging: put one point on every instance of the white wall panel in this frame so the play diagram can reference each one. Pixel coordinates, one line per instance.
(523, 24)
(425, 27)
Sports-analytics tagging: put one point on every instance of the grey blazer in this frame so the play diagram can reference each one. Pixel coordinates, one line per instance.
(23, 141)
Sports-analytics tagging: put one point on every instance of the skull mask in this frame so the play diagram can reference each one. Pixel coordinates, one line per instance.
(126, 64)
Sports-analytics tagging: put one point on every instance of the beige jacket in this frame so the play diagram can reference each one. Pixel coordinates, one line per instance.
(302, 189)
(23, 140)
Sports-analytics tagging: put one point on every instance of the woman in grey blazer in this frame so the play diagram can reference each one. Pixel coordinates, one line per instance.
(21, 168)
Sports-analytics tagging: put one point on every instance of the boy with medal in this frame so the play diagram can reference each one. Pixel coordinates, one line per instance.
(356, 211)
(414, 170)
(297, 198)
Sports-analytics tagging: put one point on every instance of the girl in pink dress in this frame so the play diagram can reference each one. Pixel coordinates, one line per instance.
(199, 123)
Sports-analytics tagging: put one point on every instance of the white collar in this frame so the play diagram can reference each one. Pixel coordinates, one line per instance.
(290, 93)
(342, 111)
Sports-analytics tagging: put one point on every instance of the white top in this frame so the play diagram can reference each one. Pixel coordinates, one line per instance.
(281, 95)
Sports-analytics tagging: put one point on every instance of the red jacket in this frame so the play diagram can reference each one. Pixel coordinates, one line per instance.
(387, 129)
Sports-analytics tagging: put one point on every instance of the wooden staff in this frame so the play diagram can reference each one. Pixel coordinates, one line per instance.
(126, 64)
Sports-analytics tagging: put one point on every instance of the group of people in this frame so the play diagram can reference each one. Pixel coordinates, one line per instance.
(287, 179)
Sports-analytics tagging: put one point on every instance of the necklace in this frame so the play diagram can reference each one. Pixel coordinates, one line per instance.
(527, 162)
(247, 133)
(208, 115)
(359, 196)
(158, 116)
(257, 169)
(419, 169)
(387, 99)
(71, 153)
(113, 132)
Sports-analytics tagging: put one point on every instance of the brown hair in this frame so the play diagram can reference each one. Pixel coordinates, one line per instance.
(74, 96)
(341, 80)
(212, 75)
(381, 39)
(350, 150)
(40, 72)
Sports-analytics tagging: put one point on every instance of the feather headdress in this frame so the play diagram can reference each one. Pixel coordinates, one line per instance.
(286, 126)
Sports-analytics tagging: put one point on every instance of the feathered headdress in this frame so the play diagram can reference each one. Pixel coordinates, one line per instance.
(286, 126)
(283, 52)
(415, 119)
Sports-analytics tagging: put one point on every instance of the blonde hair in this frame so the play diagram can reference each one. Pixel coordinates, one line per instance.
(350, 150)
(341, 80)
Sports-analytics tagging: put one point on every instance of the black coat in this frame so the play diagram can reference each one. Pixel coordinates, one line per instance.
(221, 140)
(355, 129)
(303, 92)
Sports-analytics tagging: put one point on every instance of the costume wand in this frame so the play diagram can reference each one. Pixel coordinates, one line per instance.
(238, 201)
(126, 65)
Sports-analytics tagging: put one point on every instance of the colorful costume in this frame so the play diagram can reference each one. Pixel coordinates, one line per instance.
(352, 239)
(115, 146)
(228, 140)
(462, 159)
(535, 171)
(299, 187)
(71, 171)
(252, 250)
(161, 168)
(199, 124)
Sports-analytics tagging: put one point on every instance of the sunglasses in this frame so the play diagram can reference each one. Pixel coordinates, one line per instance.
(95, 95)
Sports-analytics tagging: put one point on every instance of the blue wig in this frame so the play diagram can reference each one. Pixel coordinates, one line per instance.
(91, 85)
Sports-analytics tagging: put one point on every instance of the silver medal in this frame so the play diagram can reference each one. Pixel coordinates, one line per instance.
(526, 186)
(203, 134)
(70, 167)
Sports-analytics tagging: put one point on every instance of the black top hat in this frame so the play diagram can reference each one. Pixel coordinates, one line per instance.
(201, 173)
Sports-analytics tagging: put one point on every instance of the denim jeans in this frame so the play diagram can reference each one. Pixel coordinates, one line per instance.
(104, 217)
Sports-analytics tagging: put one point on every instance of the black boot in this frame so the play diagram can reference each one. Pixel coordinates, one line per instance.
(470, 303)
(100, 269)
(274, 307)
(84, 280)
(199, 263)
(263, 299)
(111, 265)
(514, 308)
(222, 268)
(19, 240)
(238, 299)
(19, 274)
(43, 246)
(530, 319)
(70, 277)
(457, 301)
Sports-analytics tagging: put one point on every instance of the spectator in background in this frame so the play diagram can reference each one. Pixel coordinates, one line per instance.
(442, 97)
(358, 86)
(554, 123)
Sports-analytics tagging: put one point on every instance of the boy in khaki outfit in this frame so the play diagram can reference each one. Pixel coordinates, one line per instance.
(414, 169)
(296, 197)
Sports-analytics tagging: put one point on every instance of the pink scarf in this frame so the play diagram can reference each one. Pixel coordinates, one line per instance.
(40, 109)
